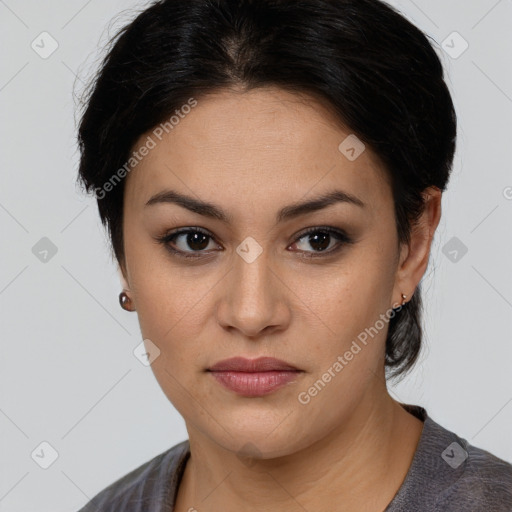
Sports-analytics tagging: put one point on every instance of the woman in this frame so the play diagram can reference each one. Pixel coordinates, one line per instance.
(270, 173)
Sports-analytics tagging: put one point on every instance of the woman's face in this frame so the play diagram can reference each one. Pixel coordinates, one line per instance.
(256, 284)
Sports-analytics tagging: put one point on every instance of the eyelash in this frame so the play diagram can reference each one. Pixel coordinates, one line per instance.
(342, 237)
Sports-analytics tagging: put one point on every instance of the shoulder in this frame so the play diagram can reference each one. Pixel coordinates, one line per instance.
(449, 474)
(150, 486)
(484, 482)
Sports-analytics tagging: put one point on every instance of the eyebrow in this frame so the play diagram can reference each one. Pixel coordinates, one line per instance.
(288, 212)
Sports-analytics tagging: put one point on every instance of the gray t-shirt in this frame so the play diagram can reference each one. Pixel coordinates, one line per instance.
(447, 474)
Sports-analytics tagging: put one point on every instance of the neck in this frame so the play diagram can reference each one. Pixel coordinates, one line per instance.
(360, 464)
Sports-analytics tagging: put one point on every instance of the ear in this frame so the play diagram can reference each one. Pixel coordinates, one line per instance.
(414, 256)
(123, 276)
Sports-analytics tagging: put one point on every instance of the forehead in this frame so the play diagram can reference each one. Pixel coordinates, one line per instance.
(263, 144)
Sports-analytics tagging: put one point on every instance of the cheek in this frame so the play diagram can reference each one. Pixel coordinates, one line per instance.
(349, 303)
(351, 296)
(172, 317)
(168, 299)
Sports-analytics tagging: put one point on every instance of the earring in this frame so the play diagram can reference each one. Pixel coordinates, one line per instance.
(403, 299)
(125, 301)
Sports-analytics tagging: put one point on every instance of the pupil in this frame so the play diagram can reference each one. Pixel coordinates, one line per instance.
(194, 241)
(324, 241)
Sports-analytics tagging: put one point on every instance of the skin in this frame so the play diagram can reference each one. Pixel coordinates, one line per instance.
(252, 153)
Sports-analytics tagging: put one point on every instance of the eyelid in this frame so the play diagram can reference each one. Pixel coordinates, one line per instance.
(340, 234)
(169, 235)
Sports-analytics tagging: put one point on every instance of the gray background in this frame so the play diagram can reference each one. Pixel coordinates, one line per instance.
(68, 375)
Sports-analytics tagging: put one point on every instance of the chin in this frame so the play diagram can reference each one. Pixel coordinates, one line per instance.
(252, 436)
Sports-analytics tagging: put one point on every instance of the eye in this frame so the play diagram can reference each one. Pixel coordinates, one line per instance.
(195, 242)
(188, 243)
(322, 240)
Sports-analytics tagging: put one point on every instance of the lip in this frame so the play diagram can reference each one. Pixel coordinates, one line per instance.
(254, 377)
(261, 364)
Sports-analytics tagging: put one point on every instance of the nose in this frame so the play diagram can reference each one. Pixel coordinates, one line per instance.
(253, 300)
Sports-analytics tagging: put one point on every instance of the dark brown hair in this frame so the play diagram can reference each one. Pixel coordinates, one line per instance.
(378, 72)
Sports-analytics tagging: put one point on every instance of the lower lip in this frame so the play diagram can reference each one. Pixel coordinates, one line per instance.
(254, 383)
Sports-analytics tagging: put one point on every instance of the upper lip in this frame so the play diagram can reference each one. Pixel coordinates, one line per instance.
(261, 364)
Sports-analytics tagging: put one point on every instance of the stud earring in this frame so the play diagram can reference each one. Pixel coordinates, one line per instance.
(125, 301)
(403, 299)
